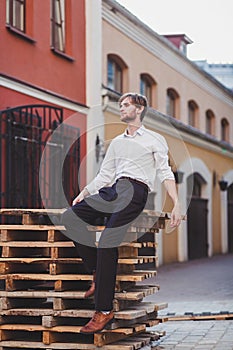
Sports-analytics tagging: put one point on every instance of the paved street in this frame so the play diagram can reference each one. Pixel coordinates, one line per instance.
(198, 335)
(199, 287)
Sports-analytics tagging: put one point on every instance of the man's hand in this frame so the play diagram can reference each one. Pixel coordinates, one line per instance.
(175, 216)
(81, 196)
(170, 186)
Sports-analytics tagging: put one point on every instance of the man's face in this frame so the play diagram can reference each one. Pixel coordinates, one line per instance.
(128, 111)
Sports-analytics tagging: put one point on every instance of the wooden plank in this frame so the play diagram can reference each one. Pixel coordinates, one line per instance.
(128, 252)
(72, 313)
(19, 344)
(61, 244)
(3, 336)
(150, 307)
(12, 284)
(142, 309)
(28, 219)
(106, 337)
(141, 340)
(200, 317)
(152, 323)
(58, 285)
(133, 295)
(130, 343)
(48, 337)
(19, 211)
(127, 261)
(144, 286)
(40, 260)
(136, 276)
(130, 314)
(132, 229)
(31, 227)
(36, 244)
(137, 294)
(162, 319)
(154, 213)
(100, 339)
(130, 245)
(126, 315)
(43, 294)
(27, 312)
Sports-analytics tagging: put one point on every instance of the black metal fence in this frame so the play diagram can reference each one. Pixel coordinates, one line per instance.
(25, 131)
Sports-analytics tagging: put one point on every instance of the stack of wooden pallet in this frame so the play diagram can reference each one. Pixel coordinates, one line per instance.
(42, 301)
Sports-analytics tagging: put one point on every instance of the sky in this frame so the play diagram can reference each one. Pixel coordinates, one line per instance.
(208, 23)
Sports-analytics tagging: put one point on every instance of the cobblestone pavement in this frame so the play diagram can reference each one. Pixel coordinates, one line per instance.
(198, 335)
(200, 287)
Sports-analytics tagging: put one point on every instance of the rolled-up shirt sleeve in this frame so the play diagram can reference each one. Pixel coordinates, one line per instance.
(106, 173)
(163, 169)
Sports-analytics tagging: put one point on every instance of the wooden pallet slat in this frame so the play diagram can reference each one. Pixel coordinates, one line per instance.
(201, 317)
(16, 345)
(134, 294)
(106, 337)
(49, 335)
(133, 342)
(45, 277)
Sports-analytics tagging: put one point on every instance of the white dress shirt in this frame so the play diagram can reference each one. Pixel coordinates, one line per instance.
(142, 156)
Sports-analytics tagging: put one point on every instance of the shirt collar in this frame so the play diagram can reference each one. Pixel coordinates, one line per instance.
(139, 131)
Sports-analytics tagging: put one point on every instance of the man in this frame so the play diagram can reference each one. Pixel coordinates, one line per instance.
(118, 193)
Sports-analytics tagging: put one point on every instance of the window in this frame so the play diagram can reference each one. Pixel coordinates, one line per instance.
(116, 67)
(58, 25)
(147, 84)
(15, 14)
(114, 76)
(224, 130)
(172, 101)
(192, 113)
(210, 119)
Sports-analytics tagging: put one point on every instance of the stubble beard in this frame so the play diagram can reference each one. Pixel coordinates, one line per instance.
(128, 119)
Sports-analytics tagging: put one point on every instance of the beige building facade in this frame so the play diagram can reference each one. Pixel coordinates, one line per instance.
(195, 114)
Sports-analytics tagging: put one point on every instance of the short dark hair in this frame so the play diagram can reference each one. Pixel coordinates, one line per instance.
(136, 99)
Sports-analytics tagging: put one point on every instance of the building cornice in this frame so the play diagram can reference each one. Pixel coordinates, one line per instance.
(41, 94)
(160, 47)
(176, 129)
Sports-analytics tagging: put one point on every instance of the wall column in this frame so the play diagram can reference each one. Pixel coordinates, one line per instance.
(95, 119)
(224, 228)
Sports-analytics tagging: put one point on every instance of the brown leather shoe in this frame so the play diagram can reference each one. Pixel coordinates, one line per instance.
(97, 323)
(91, 290)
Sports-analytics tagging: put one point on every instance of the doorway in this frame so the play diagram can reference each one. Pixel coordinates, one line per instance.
(197, 218)
(230, 217)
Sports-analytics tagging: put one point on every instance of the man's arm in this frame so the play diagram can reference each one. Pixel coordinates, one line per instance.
(170, 186)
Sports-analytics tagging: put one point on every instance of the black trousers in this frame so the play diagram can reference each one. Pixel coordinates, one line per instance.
(116, 207)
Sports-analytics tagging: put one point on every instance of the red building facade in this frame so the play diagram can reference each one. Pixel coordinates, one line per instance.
(42, 100)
